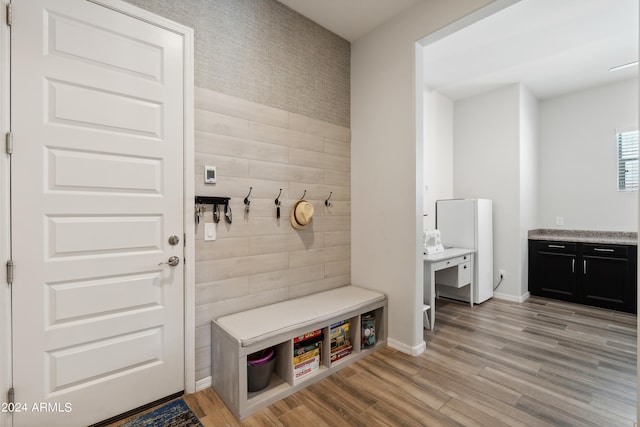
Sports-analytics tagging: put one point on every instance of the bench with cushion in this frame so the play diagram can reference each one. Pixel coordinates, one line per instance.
(237, 335)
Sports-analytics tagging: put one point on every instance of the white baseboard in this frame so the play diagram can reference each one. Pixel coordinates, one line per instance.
(412, 351)
(508, 297)
(203, 383)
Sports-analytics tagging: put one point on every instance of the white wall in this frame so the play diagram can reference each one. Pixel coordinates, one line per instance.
(486, 164)
(438, 153)
(528, 181)
(386, 188)
(578, 159)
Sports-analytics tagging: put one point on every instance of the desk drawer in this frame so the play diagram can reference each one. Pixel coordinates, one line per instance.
(455, 276)
(451, 262)
(464, 273)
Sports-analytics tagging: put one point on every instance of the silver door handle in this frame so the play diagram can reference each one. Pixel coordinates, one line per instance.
(173, 261)
(603, 250)
(556, 246)
(584, 266)
(573, 265)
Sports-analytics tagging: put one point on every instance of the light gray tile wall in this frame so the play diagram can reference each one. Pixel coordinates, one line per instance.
(263, 51)
(257, 259)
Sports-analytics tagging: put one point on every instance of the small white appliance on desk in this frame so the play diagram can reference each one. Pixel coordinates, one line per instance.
(431, 242)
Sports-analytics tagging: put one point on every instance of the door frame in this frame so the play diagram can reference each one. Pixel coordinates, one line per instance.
(187, 35)
(5, 209)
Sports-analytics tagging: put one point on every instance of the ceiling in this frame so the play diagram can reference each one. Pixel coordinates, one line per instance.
(350, 19)
(551, 46)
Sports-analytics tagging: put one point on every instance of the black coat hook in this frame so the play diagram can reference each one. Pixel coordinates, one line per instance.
(327, 203)
(247, 202)
(278, 202)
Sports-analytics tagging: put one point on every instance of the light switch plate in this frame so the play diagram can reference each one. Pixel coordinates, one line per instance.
(209, 231)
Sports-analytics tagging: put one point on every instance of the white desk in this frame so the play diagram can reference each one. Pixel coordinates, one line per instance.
(454, 267)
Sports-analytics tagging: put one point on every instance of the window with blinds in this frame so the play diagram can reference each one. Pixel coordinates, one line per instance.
(627, 160)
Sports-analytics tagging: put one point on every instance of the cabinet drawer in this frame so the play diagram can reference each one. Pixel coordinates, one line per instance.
(552, 246)
(455, 276)
(464, 273)
(617, 251)
(451, 262)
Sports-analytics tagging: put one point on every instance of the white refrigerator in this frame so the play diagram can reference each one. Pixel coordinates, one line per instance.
(468, 223)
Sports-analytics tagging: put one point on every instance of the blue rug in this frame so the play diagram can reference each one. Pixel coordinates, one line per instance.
(172, 414)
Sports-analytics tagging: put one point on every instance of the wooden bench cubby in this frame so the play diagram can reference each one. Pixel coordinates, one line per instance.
(312, 312)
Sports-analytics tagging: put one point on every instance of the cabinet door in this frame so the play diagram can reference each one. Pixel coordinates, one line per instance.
(556, 276)
(607, 283)
(552, 269)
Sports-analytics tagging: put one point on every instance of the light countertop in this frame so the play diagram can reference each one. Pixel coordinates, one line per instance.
(586, 236)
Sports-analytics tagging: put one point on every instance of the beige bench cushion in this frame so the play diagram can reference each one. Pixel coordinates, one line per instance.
(260, 323)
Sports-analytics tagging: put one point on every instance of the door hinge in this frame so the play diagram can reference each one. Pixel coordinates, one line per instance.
(9, 142)
(11, 396)
(9, 14)
(10, 272)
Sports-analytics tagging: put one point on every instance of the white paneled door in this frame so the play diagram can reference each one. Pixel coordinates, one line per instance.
(97, 193)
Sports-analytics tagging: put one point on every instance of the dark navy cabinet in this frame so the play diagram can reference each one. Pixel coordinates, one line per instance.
(600, 275)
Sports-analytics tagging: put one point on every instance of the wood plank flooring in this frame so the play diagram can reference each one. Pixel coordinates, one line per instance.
(539, 363)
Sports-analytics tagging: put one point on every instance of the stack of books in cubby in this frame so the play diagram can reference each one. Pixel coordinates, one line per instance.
(340, 340)
(307, 350)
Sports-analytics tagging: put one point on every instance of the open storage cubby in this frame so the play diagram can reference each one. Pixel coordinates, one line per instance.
(349, 338)
(304, 364)
(229, 359)
(379, 328)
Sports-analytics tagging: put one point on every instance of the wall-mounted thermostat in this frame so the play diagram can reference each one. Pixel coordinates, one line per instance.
(210, 175)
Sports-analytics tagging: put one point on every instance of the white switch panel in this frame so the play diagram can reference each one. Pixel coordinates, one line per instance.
(209, 231)
(559, 220)
(210, 175)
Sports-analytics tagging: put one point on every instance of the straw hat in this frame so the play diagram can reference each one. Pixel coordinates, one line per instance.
(301, 214)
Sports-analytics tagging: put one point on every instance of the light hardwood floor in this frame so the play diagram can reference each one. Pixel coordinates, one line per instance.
(540, 363)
